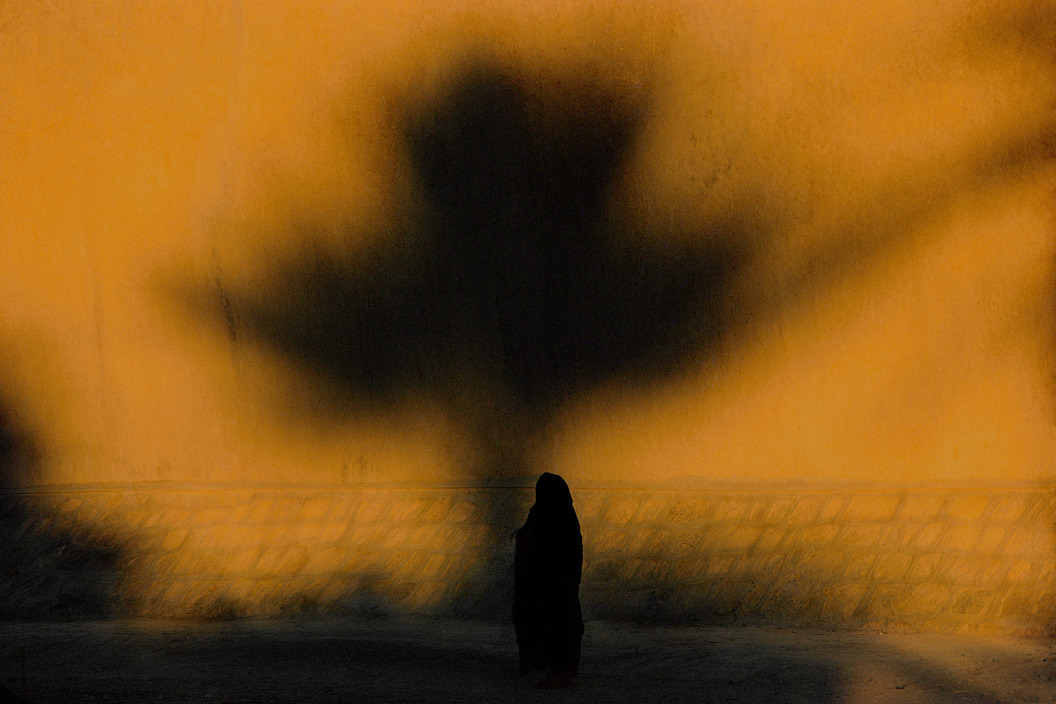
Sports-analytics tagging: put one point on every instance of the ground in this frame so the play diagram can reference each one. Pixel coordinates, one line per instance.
(360, 659)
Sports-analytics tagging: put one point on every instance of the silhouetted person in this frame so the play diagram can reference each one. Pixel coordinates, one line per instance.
(547, 568)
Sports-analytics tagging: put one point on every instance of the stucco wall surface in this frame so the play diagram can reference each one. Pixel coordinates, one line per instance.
(295, 295)
(214, 217)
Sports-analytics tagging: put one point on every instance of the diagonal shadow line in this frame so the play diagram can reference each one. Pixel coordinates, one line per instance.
(876, 230)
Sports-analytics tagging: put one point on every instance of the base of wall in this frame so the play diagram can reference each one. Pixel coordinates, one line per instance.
(937, 558)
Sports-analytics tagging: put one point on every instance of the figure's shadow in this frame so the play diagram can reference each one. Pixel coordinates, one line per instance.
(522, 286)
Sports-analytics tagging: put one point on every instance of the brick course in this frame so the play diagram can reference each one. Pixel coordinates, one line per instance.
(947, 559)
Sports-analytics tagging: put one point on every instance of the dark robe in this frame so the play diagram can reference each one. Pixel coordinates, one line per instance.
(547, 567)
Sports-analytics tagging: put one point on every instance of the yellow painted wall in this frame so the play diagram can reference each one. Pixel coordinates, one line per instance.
(891, 161)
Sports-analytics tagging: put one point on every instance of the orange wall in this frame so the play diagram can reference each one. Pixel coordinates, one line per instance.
(890, 160)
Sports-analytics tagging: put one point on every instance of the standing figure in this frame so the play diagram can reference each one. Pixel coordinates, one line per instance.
(548, 566)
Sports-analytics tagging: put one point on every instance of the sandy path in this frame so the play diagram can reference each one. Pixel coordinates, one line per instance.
(446, 660)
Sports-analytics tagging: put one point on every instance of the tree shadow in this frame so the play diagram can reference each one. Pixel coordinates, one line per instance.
(520, 287)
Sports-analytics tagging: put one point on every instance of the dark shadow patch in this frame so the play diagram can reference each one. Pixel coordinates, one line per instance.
(520, 287)
(419, 660)
(50, 567)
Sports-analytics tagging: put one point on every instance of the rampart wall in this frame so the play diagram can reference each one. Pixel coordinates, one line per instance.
(934, 558)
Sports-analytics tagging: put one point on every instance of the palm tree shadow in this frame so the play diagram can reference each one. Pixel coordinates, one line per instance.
(518, 283)
(521, 287)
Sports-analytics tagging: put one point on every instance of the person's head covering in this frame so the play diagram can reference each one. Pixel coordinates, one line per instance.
(552, 491)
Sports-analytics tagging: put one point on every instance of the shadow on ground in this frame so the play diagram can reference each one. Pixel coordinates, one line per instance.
(445, 660)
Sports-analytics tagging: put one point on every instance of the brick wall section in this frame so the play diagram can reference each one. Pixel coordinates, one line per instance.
(942, 559)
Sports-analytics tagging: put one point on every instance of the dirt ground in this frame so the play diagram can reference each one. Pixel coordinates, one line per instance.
(445, 660)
